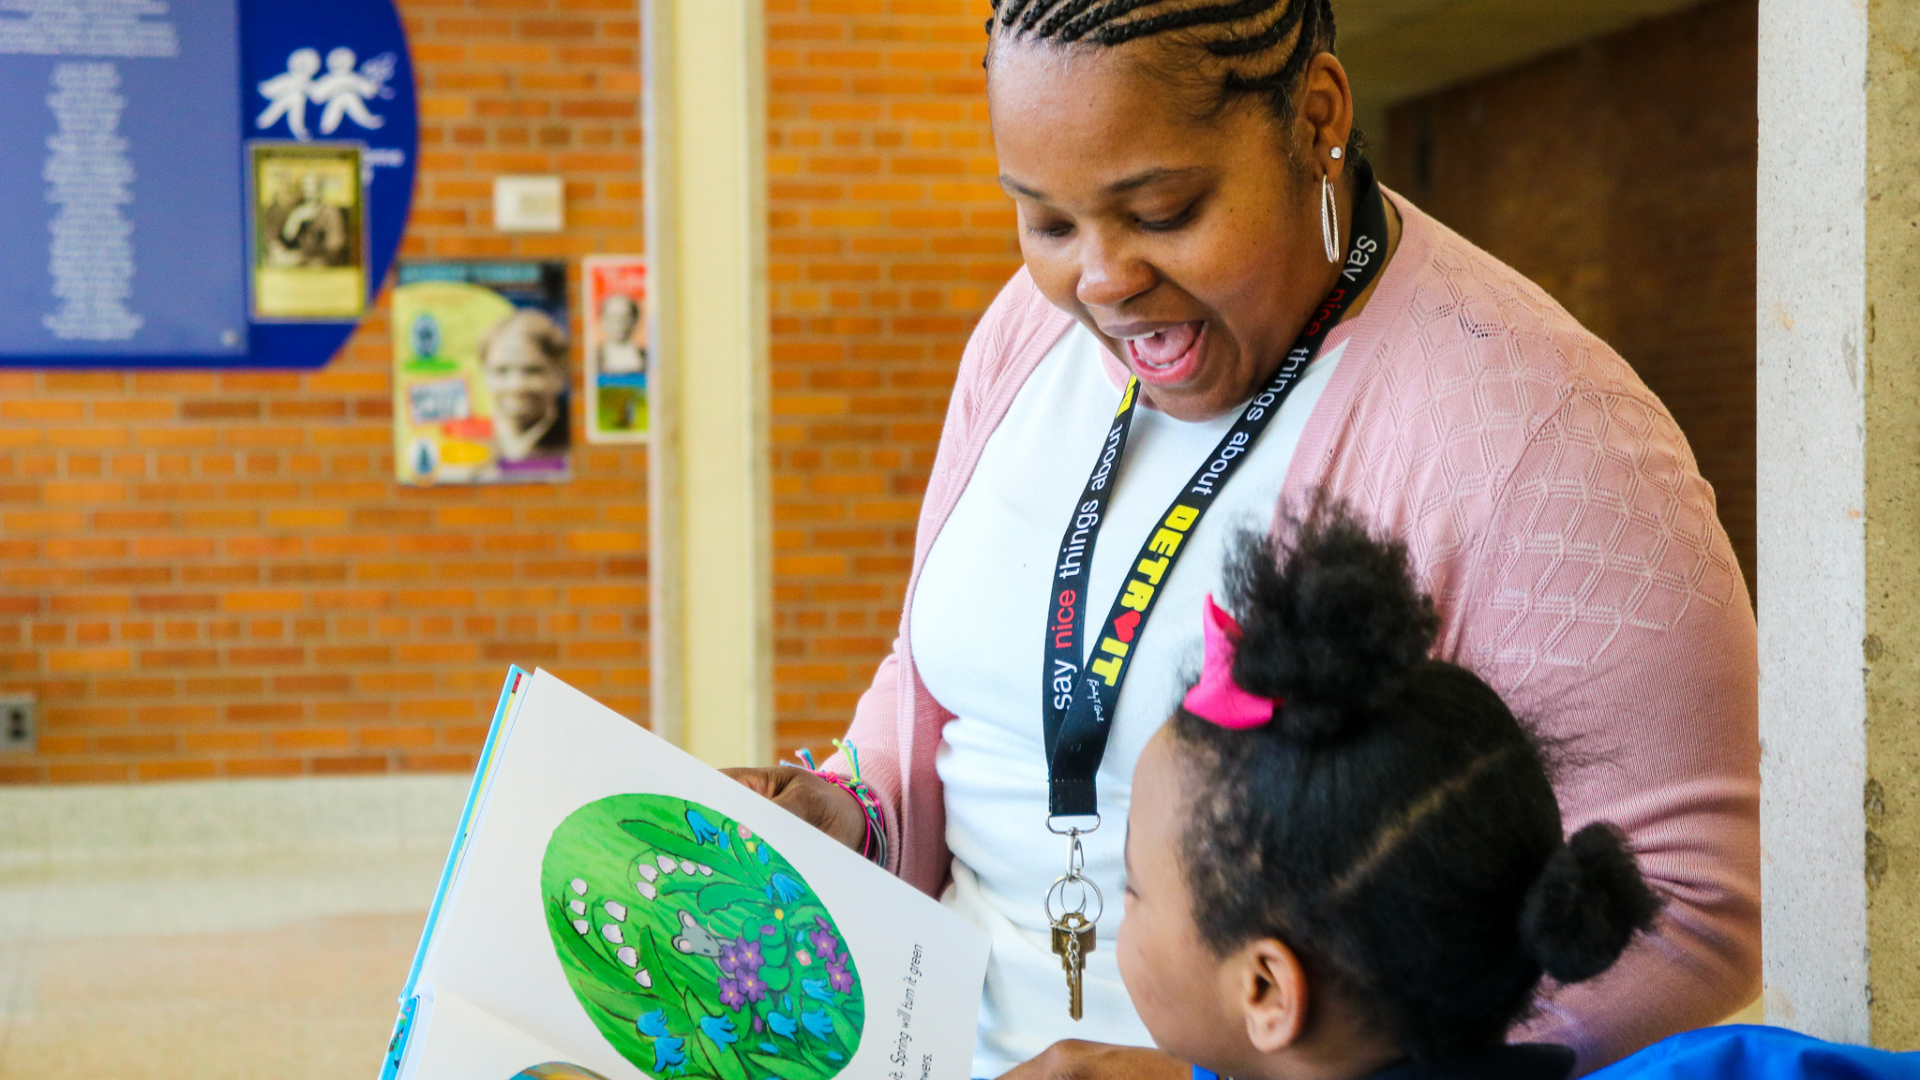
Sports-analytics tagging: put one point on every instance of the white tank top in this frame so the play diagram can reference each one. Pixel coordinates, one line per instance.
(977, 622)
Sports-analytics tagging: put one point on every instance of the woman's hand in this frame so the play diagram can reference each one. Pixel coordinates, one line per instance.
(822, 805)
(1076, 1060)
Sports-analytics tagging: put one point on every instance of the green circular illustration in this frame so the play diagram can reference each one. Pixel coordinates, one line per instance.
(697, 949)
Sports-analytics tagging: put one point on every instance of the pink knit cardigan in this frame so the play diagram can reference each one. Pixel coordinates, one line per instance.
(1554, 511)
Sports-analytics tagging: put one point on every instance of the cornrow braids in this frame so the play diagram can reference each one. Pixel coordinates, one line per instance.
(1253, 47)
(1394, 824)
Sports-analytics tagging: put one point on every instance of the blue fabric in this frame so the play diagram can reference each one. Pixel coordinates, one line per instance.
(1759, 1053)
(1748, 1053)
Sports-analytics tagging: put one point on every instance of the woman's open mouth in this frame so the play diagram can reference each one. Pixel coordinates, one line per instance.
(1170, 356)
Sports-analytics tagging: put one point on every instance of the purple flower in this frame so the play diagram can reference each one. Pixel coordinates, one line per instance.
(824, 942)
(838, 978)
(754, 987)
(732, 995)
(751, 960)
(730, 958)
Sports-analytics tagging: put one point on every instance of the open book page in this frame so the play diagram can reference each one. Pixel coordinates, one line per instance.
(624, 903)
(457, 1041)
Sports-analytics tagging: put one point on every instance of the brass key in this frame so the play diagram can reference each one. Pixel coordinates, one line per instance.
(1073, 939)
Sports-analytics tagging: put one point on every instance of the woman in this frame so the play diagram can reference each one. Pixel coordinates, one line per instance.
(523, 360)
(1201, 233)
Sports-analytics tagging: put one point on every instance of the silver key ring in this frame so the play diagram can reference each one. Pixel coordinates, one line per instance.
(1058, 892)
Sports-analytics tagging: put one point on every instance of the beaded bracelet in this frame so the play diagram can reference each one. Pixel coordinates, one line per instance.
(873, 843)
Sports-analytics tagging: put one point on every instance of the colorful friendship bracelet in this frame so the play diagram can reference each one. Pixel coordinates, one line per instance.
(873, 844)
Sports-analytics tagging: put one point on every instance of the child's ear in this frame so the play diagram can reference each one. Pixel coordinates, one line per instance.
(1273, 995)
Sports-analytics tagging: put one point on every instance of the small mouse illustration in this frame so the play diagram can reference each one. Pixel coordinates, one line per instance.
(696, 940)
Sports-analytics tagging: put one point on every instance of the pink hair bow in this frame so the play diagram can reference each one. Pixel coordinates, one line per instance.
(1216, 697)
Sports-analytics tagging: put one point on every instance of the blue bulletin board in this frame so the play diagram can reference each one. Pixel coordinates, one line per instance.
(140, 149)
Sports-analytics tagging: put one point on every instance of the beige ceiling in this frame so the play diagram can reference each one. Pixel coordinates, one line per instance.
(1397, 49)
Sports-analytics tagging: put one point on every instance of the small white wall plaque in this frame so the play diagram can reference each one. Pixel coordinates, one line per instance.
(529, 204)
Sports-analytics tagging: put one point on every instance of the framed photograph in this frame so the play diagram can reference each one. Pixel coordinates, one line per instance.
(309, 231)
(481, 373)
(618, 361)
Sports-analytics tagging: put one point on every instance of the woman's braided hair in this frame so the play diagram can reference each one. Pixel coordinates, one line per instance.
(1257, 47)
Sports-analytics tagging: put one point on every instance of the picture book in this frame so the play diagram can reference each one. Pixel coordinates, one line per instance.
(613, 909)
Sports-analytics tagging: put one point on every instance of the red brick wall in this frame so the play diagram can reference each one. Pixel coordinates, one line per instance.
(213, 574)
(889, 238)
(1620, 176)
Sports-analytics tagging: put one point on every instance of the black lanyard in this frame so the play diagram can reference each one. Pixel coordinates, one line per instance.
(1078, 705)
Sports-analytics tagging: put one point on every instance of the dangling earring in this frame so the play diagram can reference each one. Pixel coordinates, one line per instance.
(1329, 219)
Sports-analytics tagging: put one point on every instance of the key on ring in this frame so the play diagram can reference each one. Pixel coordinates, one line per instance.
(1073, 939)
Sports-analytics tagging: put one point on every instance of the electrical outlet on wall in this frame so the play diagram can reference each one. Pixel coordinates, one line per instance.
(19, 723)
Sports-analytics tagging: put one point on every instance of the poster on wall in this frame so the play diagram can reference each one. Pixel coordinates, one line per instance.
(122, 170)
(481, 374)
(616, 348)
(309, 231)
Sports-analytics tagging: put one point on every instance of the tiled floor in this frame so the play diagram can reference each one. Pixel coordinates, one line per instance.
(189, 950)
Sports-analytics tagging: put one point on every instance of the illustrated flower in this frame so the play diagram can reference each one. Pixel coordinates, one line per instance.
(769, 1048)
(645, 888)
(782, 1025)
(686, 866)
(754, 987)
(818, 1023)
(644, 978)
(731, 995)
(800, 956)
(816, 989)
(628, 956)
(579, 906)
(581, 926)
(616, 912)
(785, 888)
(838, 978)
(763, 856)
(741, 957)
(667, 865)
(705, 870)
(720, 1030)
(746, 833)
(612, 933)
(669, 1054)
(579, 886)
(653, 1025)
(703, 830)
(824, 941)
(647, 871)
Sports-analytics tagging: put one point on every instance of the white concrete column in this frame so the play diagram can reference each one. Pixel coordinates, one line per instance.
(1839, 500)
(706, 231)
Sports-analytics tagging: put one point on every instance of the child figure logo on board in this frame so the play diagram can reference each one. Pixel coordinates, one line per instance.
(343, 91)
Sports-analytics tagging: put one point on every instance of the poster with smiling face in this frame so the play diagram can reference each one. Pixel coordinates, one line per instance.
(481, 373)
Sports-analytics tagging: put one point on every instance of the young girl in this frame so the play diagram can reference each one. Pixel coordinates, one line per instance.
(1345, 859)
